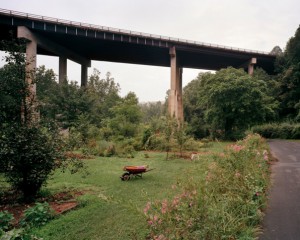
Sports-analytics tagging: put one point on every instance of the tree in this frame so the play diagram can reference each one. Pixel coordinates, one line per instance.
(104, 95)
(232, 101)
(28, 156)
(193, 111)
(152, 110)
(126, 117)
(13, 88)
(29, 152)
(288, 66)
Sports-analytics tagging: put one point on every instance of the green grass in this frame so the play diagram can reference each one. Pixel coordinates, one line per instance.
(111, 208)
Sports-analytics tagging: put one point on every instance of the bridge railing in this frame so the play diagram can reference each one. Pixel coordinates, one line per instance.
(122, 31)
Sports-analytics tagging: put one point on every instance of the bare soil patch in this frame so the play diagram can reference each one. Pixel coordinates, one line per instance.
(60, 203)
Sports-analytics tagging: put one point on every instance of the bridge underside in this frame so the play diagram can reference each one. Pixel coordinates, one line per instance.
(83, 44)
(130, 52)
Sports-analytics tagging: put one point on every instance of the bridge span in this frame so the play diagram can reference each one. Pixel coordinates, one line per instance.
(82, 42)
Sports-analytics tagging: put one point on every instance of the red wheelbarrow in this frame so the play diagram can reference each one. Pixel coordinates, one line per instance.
(134, 171)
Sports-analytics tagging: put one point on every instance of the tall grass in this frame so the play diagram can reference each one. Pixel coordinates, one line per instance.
(227, 204)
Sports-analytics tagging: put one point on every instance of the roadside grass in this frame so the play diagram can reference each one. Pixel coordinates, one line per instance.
(113, 209)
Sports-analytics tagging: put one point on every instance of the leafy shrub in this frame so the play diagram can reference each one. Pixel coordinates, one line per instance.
(102, 148)
(278, 130)
(6, 219)
(156, 142)
(28, 155)
(18, 234)
(37, 215)
(74, 139)
(126, 148)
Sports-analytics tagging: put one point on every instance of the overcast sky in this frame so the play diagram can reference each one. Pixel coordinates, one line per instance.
(250, 24)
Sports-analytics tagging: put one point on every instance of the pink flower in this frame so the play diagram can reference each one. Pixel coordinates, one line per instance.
(236, 147)
(175, 201)
(164, 206)
(237, 174)
(146, 209)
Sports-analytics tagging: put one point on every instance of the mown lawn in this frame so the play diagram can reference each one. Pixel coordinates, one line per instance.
(113, 209)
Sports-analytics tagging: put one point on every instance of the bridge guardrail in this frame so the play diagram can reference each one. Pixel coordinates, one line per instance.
(128, 32)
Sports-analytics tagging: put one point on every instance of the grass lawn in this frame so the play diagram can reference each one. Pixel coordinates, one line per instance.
(111, 208)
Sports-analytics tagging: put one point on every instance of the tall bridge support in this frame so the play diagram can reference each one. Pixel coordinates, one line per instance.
(29, 112)
(175, 95)
(62, 69)
(251, 64)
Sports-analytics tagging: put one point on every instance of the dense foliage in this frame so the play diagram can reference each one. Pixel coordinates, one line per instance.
(228, 102)
(288, 67)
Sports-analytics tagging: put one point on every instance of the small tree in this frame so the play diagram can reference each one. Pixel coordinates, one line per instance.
(28, 156)
(29, 153)
(168, 130)
(181, 136)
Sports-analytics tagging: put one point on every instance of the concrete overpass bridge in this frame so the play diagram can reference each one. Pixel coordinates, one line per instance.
(82, 42)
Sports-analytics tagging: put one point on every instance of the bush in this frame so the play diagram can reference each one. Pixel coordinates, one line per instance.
(18, 234)
(101, 148)
(37, 215)
(28, 158)
(278, 130)
(29, 154)
(6, 219)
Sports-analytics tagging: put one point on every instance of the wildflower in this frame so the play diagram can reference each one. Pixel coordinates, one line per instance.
(236, 147)
(175, 201)
(237, 174)
(266, 158)
(146, 209)
(164, 206)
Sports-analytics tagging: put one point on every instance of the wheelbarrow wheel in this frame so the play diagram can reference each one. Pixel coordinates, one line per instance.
(125, 176)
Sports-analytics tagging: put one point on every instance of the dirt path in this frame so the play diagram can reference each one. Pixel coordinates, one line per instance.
(282, 220)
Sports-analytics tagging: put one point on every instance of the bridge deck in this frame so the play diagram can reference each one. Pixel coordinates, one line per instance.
(116, 45)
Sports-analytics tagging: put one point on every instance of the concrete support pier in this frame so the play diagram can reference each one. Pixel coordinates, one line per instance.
(251, 64)
(62, 69)
(175, 95)
(29, 112)
(84, 75)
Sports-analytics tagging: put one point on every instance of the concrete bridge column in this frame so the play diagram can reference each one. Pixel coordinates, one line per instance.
(175, 95)
(62, 69)
(29, 112)
(251, 64)
(84, 75)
